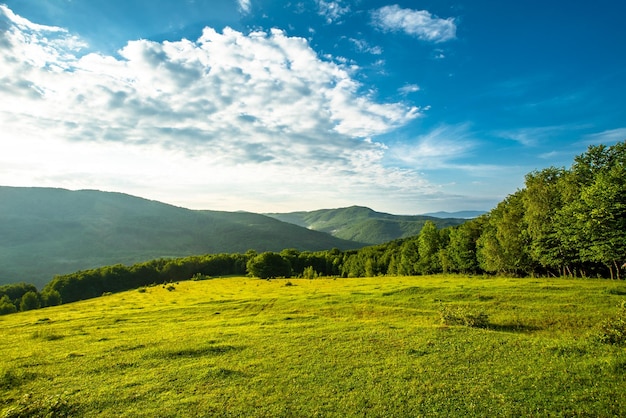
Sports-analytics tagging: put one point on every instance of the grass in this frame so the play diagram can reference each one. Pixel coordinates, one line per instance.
(333, 348)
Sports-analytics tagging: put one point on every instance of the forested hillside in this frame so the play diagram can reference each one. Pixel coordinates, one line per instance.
(361, 224)
(564, 222)
(44, 232)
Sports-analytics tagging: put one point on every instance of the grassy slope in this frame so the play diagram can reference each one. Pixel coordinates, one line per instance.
(334, 348)
(362, 224)
(44, 232)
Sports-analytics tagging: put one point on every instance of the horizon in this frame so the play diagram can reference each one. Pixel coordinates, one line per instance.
(240, 210)
(248, 105)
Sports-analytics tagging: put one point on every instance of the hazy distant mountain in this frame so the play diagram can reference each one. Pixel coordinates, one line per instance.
(46, 231)
(465, 214)
(362, 224)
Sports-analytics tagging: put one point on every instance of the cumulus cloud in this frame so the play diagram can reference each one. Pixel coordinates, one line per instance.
(253, 106)
(419, 23)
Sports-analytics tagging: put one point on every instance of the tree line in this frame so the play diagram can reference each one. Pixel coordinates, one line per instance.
(563, 222)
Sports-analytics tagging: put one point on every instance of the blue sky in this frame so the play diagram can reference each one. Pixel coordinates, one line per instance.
(403, 106)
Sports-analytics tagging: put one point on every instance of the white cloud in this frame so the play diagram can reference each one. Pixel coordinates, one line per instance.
(608, 137)
(244, 6)
(418, 23)
(435, 149)
(227, 113)
(534, 136)
(362, 45)
(409, 88)
(332, 10)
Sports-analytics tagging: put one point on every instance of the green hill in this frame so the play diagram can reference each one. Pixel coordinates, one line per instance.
(361, 224)
(44, 232)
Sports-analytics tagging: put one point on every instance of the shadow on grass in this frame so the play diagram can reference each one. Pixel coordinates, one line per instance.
(513, 327)
(194, 352)
(413, 290)
(220, 373)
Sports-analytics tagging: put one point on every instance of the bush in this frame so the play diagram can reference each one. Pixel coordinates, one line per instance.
(613, 330)
(309, 273)
(463, 316)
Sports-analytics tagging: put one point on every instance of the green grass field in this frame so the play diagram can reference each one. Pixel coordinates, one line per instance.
(333, 348)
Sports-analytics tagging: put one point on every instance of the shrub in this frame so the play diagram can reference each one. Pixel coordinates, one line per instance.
(310, 273)
(613, 330)
(463, 316)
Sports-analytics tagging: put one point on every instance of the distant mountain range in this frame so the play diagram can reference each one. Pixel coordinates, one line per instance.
(362, 224)
(464, 214)
(46, 231)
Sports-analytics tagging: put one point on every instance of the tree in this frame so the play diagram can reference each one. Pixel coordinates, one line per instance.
(30, 301)
(6, 306)
(605, 224)
(269, 265)
(428, 246)
(462, 246)
(542, 200)
(503, 247)
(51, 298)
(409, 257)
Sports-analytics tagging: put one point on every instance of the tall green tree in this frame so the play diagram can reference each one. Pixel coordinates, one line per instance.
(591, 222)
(462, 246)
(604, 203)
(542, 200)
(429, 244)
(504, 246)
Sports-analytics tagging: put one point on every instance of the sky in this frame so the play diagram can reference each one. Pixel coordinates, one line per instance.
(406, 107)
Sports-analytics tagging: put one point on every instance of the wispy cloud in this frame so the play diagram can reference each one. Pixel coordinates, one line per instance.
(361, 45)
(607, 137)
(534, 136)
(332, 11)
(436, 148)
(419, 23)
(244, 6)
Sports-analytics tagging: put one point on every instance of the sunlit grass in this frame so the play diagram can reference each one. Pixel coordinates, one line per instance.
(323, 347)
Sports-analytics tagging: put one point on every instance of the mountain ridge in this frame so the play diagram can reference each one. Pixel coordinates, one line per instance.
(50, 231)
(53, 231)
(362, 224)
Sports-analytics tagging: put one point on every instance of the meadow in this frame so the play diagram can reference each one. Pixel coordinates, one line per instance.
(324, 347)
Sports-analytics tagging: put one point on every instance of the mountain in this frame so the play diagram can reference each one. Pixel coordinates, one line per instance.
(464, 214)
(45, 231)
(361, 224)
